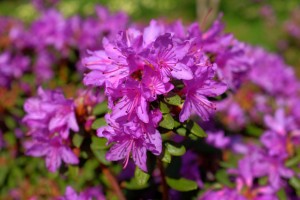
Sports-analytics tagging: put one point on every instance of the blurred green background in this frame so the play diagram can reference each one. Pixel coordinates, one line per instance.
(242, 17)
(258, 22)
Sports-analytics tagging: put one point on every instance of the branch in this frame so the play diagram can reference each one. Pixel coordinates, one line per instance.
(165, 187)
(114, 183)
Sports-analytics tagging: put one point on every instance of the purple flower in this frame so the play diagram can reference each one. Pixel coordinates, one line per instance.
(275, 143)
(133, 101)
(87, 194)
(218, 139)
(232, 113)
(50, 30)
(197, 90)
(43, 66)
(279, 123)
(12, 67)
(107, 66)
(50, 111)
(223, 194)
(132, 138)
(50, 117)
(265, 73)
(154, 84)
(53, 150)
(165, 56)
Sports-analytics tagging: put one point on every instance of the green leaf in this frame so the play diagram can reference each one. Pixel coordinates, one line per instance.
(10, 138)
(4, 172)
(195, 129)
(293, 161)
(77, 140)
(181, 131)
(226, 164)
(281, 194)
(100, 155)
(98, 143)
(182, 184)
(222, 177)
(176, 124)
(140, 176)
(167, 157)
(175, 150)
(10, 122)
(295, 182)
(254, 130)
(98, 123)
(73, 171)
(173, 99)
(133, 185)
(100, 108)
(167, 122)
(263, 180)
(164, 108)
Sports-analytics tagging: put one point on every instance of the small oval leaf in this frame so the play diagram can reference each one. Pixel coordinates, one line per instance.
(167, 122)
(175, 150)
(166, 157)
(173, 99)
(98, 123)
(195, 129)
(140, 176)
(164, 108)
(182, 184)
(100, 108)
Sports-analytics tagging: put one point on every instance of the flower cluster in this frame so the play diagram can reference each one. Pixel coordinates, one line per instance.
(263, 169)
(50, 117)
(138, 68)
(57, 42)
(89, 193)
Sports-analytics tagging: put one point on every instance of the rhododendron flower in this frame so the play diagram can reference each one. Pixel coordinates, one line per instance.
(53, 150)
(132, 138)
(50, 117)
(197, 90)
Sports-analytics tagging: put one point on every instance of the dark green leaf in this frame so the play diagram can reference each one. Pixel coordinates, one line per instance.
(10, 122)
(254, 130)
(100, 155)
(173, 99)
(77, 140)
(182, 184)
(98, 123)
(222, 177)
(100, 108)
(167, 122)
(133, 185)
(167, 157)
(164, 108)
(195, 129)
(140, 176)
(73, 171)
(98, 143)
(4, 172)
(295, 182)
(175, 150)
(181, 131)
(281, 194)
(293, 161)
(176, 124)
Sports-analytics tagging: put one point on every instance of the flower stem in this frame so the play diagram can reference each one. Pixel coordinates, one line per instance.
(165, 189)
(114, 183)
